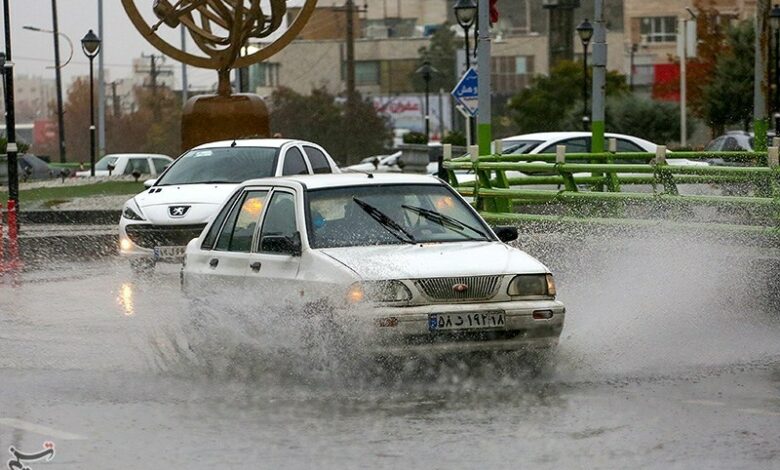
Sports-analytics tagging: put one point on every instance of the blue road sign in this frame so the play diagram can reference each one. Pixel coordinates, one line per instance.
(466, 91)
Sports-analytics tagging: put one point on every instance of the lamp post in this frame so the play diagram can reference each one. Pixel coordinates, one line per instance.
(90, 44)
(774, 21)
(58, 78)
(426, 71)
(466, 14)
(585, 32)
(632, 52)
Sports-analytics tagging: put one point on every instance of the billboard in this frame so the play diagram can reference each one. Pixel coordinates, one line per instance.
(408, 112)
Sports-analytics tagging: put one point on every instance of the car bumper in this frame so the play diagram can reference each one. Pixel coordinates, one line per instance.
(405, 330)
(129, 246)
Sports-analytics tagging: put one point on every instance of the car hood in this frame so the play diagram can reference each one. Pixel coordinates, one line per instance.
(435, 260)
(202, 201)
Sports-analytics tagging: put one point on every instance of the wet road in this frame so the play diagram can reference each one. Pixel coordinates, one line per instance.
(670, 358)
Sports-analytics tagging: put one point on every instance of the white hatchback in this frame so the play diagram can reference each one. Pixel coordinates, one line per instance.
(401, 258)
(129, 164)
(157, 223)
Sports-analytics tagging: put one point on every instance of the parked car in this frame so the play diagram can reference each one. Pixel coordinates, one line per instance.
(157, 223)
(734, 141)
(378, 164)
(401, 258)
(30, 167)
(117, 164)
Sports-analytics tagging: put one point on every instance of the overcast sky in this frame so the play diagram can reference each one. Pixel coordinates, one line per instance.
(34, 51)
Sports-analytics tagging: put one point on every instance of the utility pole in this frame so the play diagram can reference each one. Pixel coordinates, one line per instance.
(115, 100)
(599, 78)
(683, 79)
(350, 7)
(10, 117)
(58, 79)
(153, 73)
(760, 81)
(184, 83)
(101, 85)
(484, 115)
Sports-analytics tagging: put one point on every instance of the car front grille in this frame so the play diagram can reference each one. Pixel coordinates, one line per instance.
(446, 288)
(149, 236)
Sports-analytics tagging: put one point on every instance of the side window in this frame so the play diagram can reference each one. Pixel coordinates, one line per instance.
(576, 145)
(139, 164)
(240, 226)
(715, 145)
(318, 160)
(624, 145)
(731, 145)
(160, 164)
(294, 163)
(279, 220)
(211, 237)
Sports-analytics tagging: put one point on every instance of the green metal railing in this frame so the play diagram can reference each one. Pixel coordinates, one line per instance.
(504, 187)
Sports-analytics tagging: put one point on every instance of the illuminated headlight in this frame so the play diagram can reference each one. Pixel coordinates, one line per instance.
(378, 291)
(132, 211)
(525, 285)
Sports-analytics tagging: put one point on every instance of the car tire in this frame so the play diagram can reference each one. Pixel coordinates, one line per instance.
(142, 267)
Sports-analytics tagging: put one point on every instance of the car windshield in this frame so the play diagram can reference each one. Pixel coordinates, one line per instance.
(390, 214)
(221, 165)
(103, 163)
(519, 146)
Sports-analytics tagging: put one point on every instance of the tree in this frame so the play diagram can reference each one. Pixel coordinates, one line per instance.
(441, 54)
(348, 135)
(644, 118)
(547, 103)
(728, 97)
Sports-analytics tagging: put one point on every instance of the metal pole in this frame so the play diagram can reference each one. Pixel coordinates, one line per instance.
(585, 85)
(484, 131)
(468, 59)
(101, 85)
(91, 117)
(777, 82)
(350, 53)
(631, 68)
(470, 128)
(10, 116)
(427, 109)
(599, 78)
(58, 80)
(760, 82)
(184, 83)
(683, 83)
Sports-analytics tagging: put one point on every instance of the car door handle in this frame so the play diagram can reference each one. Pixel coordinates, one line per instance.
(256, 266)
(214, 262)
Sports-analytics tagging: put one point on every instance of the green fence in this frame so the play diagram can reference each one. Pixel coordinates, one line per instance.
(742, 188)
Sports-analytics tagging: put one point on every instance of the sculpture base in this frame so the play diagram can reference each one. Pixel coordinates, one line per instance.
(207, 118)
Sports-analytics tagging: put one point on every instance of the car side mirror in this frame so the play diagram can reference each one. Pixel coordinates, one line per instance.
(149, 183)
(506, 233)
(282, 244)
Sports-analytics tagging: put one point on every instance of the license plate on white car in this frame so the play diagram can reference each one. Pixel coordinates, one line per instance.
(466, 321)
(168, 252)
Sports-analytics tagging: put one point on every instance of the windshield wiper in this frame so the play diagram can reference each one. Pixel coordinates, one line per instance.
(389, 224)
(445, 221)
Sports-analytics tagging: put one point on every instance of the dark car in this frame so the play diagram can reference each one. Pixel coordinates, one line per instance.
(30, 168)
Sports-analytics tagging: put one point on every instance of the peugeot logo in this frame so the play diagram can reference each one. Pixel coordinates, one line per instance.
(178, 211)
(460, 288)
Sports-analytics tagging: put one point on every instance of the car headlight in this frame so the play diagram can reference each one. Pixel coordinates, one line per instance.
(132, 211)
(532, 284)
(378, 291)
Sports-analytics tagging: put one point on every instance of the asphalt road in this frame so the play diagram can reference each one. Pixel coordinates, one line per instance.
(670, 358)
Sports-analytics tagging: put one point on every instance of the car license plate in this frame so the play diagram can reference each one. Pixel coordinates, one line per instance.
(168, 252)
(466, 321)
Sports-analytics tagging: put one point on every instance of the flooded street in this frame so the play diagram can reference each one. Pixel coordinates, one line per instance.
(670, 358)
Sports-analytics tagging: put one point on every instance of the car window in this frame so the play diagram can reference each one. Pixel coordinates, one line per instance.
(279, 220)
(575, 145)
(160, 164)
(211, 237)
(715, 145)
(221, 165)
(139, 164)
(294, 164)
(318, 160)
(519, 146)
(624, 145)
(731, 145)
(102, 164)
(239, 228)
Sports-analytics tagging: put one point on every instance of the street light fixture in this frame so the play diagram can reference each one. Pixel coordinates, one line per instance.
(585, 32)
(774, 21)
(58, 78)
(90, 44)
(466, 15)
(426, 71)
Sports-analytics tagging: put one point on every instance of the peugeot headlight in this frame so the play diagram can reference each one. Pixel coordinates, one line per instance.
(378, 291)
(132, 211)
(525, 285)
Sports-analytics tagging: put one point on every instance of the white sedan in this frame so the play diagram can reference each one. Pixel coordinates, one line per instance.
(401, 259)
(125, 164)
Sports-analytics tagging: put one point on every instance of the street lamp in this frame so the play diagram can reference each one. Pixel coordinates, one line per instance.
(774, 20)
(426, 71)
(58, 76)
(90, 44)
(466, 13)
(585, 32)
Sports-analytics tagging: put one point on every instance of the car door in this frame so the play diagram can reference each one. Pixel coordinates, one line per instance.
(223, 266)
(272, 266)
(293, 162)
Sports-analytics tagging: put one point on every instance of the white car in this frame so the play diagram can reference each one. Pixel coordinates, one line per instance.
(157, 223)
(402, 260)
(118, 164)
(378, 164)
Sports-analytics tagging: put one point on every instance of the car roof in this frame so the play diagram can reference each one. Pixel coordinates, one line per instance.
(132, 155)
(335, 180)
(563, 135)
(276, 143)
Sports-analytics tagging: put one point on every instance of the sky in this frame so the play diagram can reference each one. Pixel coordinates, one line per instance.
(33, 51)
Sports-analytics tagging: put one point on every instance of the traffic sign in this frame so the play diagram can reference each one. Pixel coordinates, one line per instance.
(466, 91)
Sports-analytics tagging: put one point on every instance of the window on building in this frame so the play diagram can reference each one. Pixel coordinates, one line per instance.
(367, 72)
(510, 74)
(263, 74)
(658, 28)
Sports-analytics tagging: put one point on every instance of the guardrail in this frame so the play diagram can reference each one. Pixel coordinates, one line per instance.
(591, 186)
